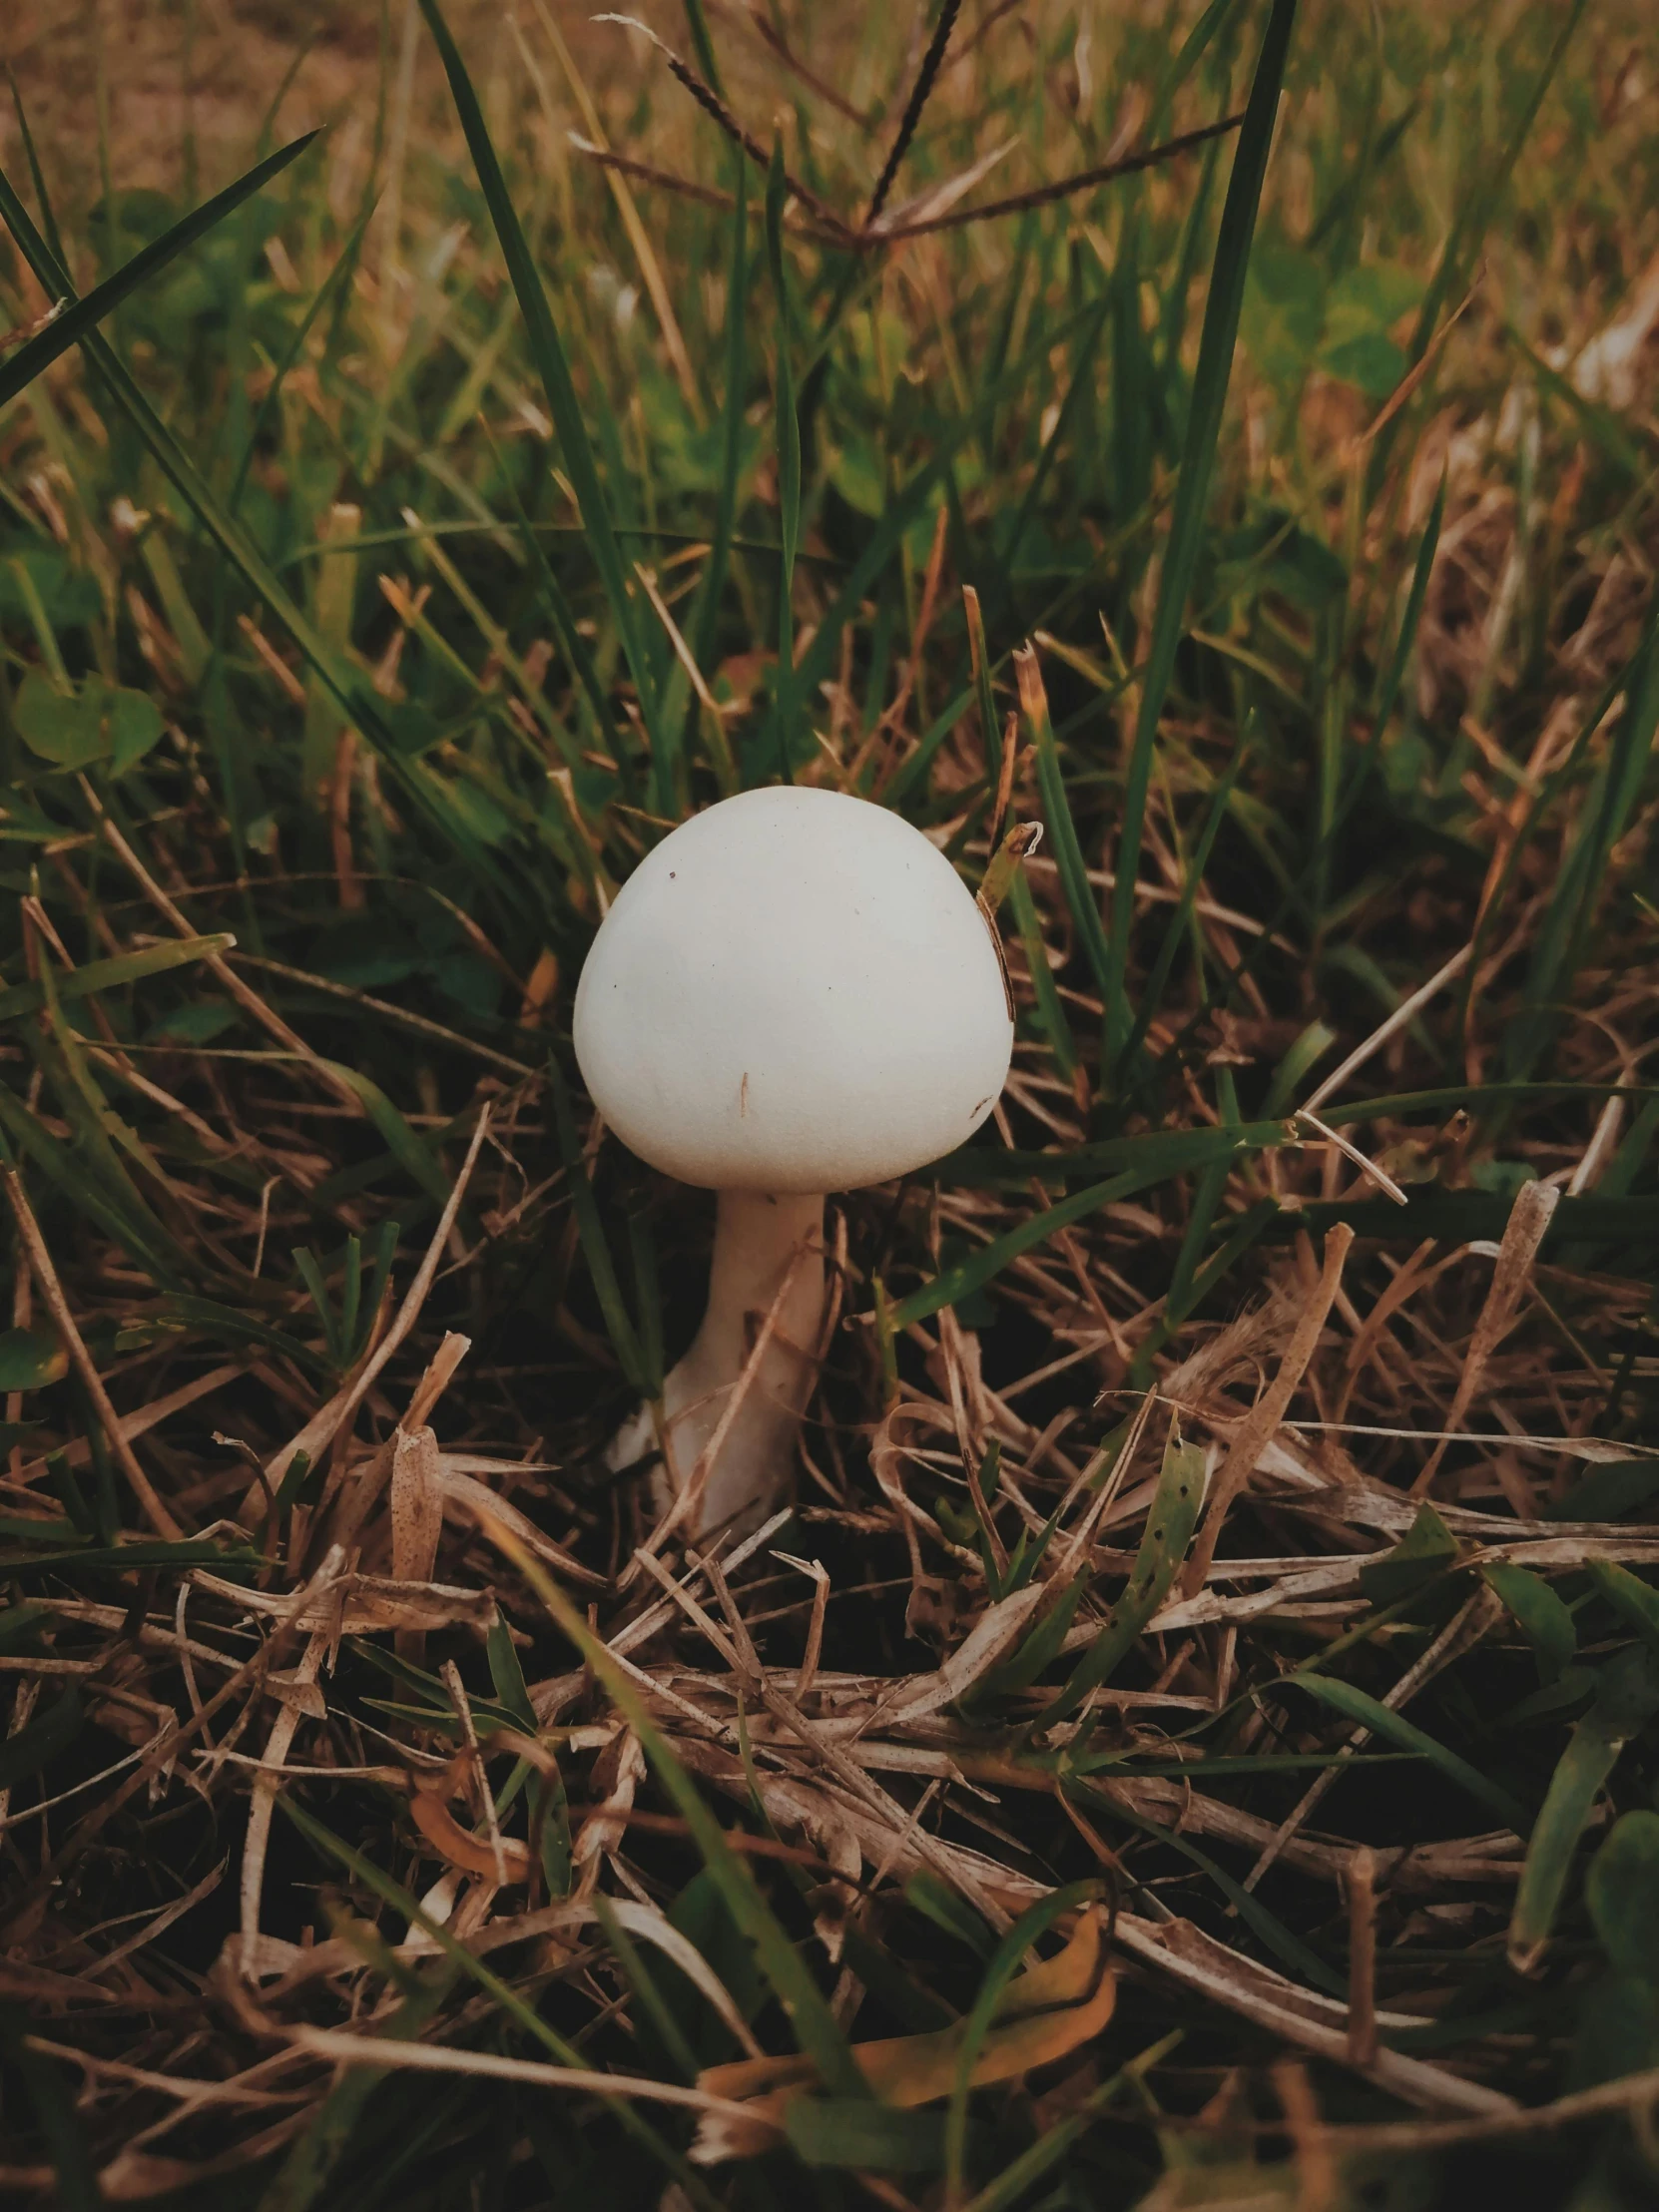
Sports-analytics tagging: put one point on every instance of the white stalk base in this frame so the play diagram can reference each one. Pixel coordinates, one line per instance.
(769, 1250)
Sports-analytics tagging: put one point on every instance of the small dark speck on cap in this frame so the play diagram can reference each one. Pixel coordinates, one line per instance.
(984, 1102)
(671, 874)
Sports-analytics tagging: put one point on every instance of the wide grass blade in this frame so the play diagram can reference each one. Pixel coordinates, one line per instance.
(1394, 1728)
(1627, 1697)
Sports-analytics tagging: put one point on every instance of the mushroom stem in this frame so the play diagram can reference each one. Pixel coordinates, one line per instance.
(769, 1253)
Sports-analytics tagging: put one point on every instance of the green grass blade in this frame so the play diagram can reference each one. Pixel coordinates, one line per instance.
(809, 2013)
(1388, 692)
(1169, 1520)
(1394, 1728)
(85, 314)
(345, 265)
(1627, 1697)
(1051, 1013)
(1180, 922)
(959, 1282)
(1068, 852)
(705, 623)
(596, 1248)
(547, 351)
(1034, 1922)
(1583, 876)
(506, 1998)
(789, 465)
(1210, 380)
(113, 975)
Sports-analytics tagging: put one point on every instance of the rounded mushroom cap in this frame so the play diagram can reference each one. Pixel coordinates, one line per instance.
(795, 991)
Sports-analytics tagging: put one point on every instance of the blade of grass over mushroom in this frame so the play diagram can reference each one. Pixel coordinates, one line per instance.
(1169, 1520)
(811, 2019)
(1204, 415)
(548, 352)
(82, 314)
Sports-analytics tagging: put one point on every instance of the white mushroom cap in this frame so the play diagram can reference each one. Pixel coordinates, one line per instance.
(795, 991)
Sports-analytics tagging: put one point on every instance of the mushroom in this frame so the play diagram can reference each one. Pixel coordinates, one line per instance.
(793, 993)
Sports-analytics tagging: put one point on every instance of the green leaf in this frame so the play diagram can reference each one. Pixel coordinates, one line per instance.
(406, 1146)
(1622, 1892)
(1544, 1620)
(1423, 1554)
(123, 1558)
(929, 1895)
(30, 1358)
(74, 729)
(1637, 1601)
(1627, 1697)
(1608, 1492)
(1282, 316)
(1394, 1728)
(1170, 1521)
(878, 2138)
(508, 1677)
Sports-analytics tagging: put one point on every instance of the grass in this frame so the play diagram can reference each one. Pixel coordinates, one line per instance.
(1228, 1508)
